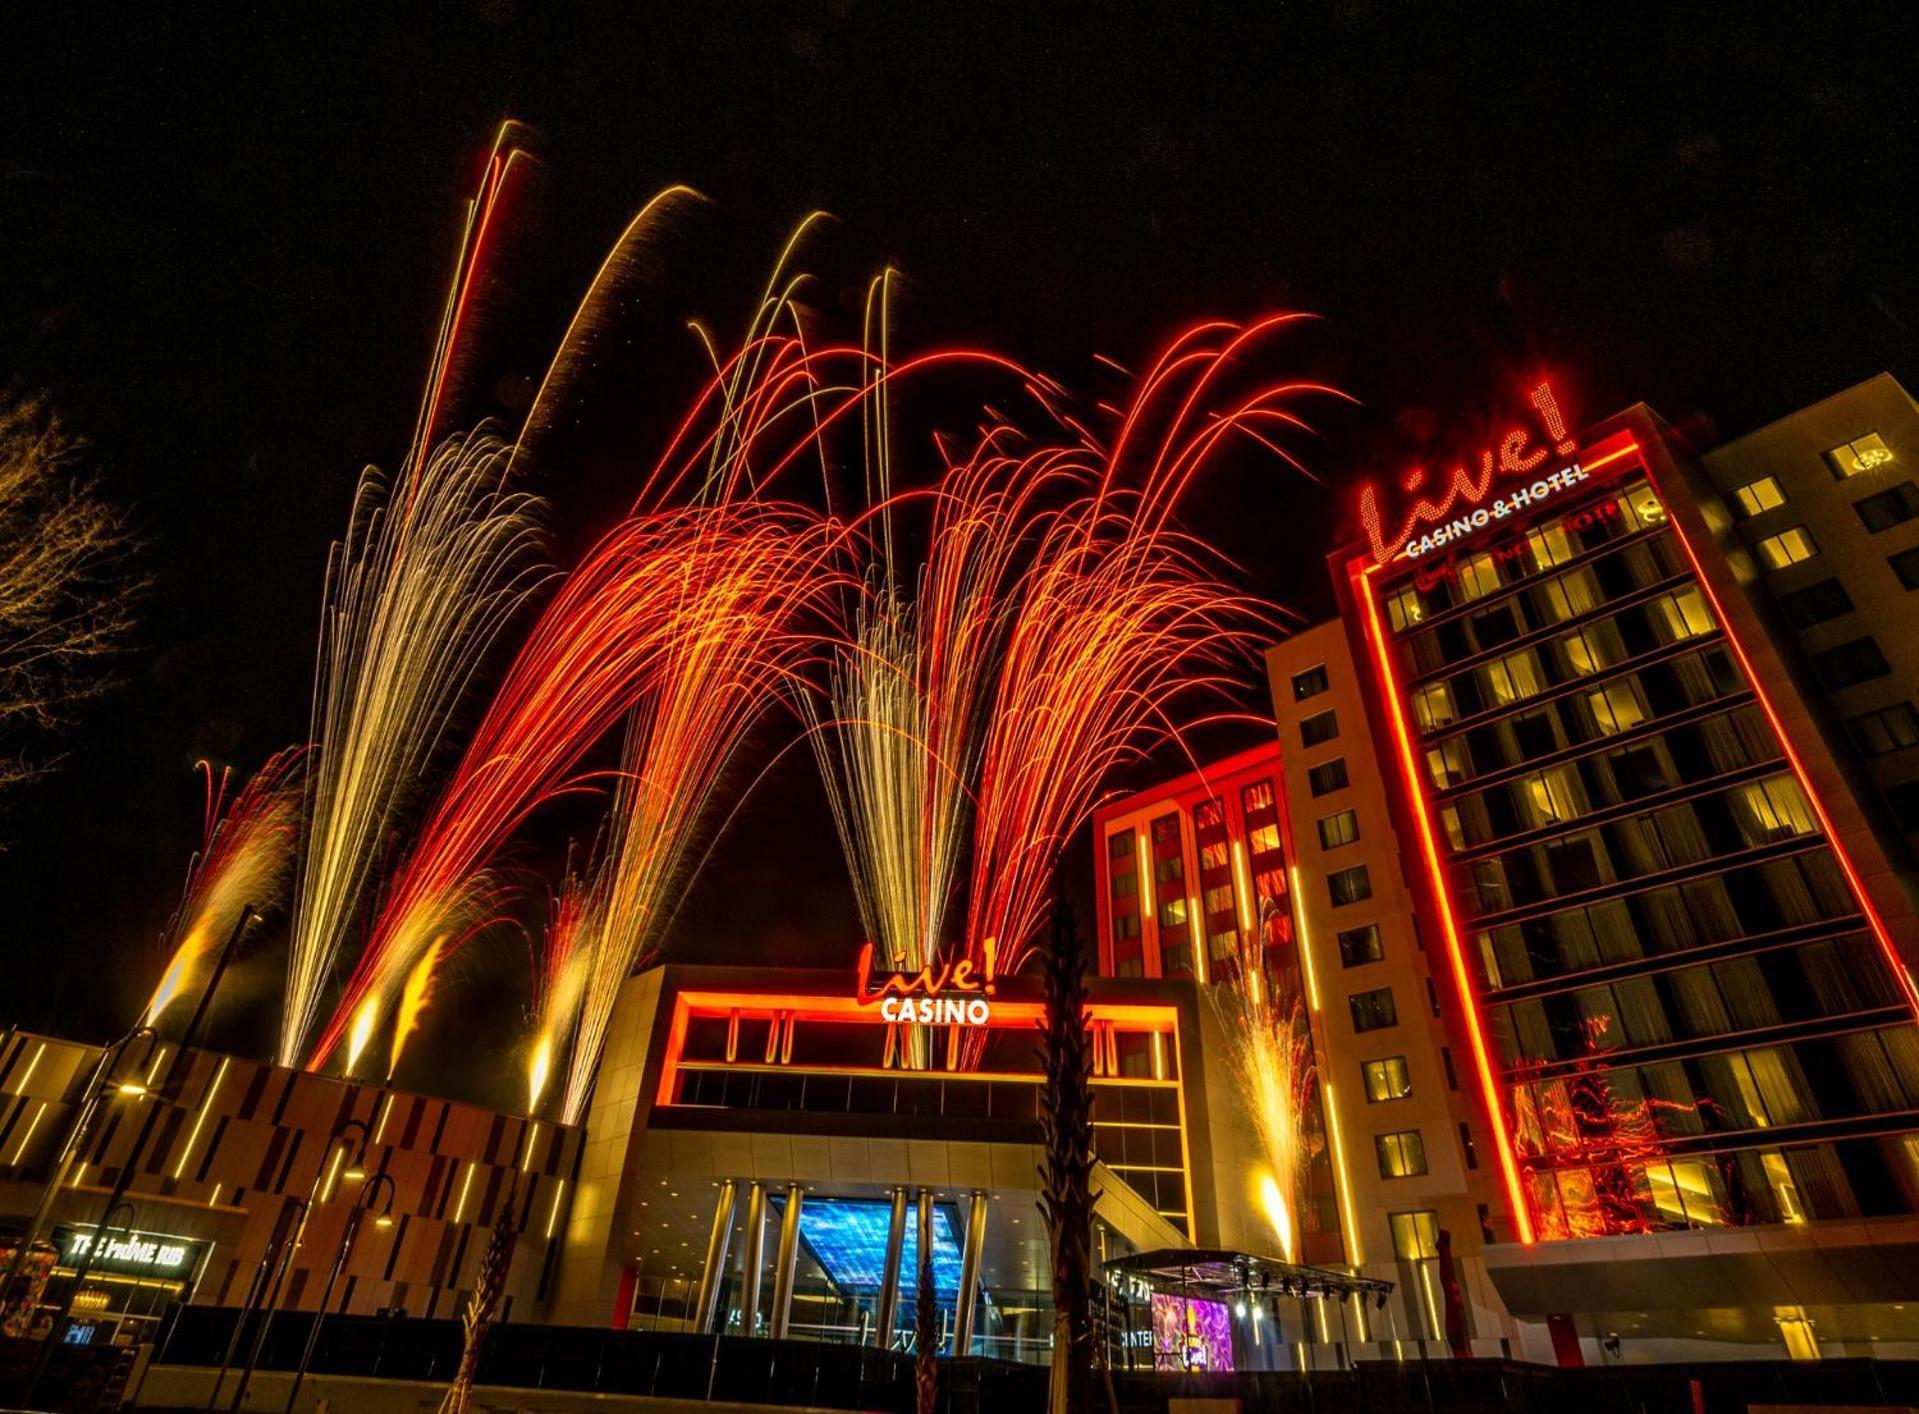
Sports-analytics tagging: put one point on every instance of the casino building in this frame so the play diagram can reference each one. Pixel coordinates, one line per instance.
(1666, 959)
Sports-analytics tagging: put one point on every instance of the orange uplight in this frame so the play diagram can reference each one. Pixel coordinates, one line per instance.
(1375, 635)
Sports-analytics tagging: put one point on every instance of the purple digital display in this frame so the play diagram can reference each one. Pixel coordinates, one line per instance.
(1189, 1334)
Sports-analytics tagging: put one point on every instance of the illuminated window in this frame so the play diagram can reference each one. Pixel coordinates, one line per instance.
(1683, 614)
(1857, 661)
(1889, 729)
(1373, 1010)
(1553, 795)
(1320, 727)
(1361, 945)
(1446, 762)
(1888, 508)
(1785, 1192)
(1433, 706)
(1386, 1079)
(1310, 683)
(1788, 547)
(1328, 777)
(1514, 677)
(1401, 1154)
(1415, 1235)
(1616, 707)
(1349, 885)
(1264, 840)
(1404, 609)
(1478, 577)
(1905, 564)
(1757, 496)
(1585, 651)
(1772, 809)
(1567, 596)
(1339, 829)
(1550, 545)
(1815, 603)
(1863, 454)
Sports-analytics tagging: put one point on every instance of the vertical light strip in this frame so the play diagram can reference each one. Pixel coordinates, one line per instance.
(1373, 630)
(1342, 1181)
(466, 1183)
(1305, 951)
(553, 1218)
(26, 1138)
(32, 1065)
(385, 1110)
(201, 1119)
(532, 1138)
(213, 1198)
(332, 1173)
(1196, 937)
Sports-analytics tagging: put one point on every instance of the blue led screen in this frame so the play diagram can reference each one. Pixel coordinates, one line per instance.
(847, 1237)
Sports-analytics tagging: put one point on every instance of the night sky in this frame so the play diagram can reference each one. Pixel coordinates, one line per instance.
(223, 244)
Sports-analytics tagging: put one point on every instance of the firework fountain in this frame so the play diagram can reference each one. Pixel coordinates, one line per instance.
(246, 859)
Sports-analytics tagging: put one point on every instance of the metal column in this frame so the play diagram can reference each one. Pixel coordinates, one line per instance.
(753, 1259)
(713, 1274)
(969, 1276)
(784, 1261)
(889, 1299)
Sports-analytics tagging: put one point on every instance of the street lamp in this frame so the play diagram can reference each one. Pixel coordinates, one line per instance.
(98, 1086)
(277, 1260)
(352, 1229)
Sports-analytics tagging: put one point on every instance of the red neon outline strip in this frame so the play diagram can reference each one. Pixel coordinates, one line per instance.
(1482, 1062)
(1873, 921)
(1006, 1014)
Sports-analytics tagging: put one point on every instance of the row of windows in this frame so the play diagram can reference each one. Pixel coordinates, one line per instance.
(1827, 598)
(1767, 811)
(1797, 891)
(1568, 595)
(1580, 653)
(1767, 1087)
(1851, 1179)
(1628, 511)
(1612, 707)
(1837, 977)
(1683, 755)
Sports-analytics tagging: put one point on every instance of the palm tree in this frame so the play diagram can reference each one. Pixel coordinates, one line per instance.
(1066, 1170)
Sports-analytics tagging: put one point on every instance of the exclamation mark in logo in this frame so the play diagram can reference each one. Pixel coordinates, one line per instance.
(1549, 410)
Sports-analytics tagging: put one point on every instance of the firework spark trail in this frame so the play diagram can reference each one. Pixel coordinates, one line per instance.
(1269, 1052)
(245, 859)
(410, 613)
(1120, 630)
(565, 955)
(741, 638)
(606, 641)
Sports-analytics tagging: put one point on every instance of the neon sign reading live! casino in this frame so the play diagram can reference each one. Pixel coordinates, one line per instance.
(953, 993)
(1468, 502)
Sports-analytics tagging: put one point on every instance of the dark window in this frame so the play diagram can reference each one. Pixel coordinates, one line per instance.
(1889, 508)
(1889, 729)
(1336, 830)
(1466, 1146)
(1321, 726)
(1905, 564)
(1816, 603)
(1374, 1010)
(1857, 661)
(1401, 1154)
(1360, 945)
(1904, 801)
(1328, 777)
(1310, 683)
(1349, 885)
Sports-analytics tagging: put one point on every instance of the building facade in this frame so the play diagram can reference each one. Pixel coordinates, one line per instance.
(1819, 516)
(1673, 956)
(234, 1159)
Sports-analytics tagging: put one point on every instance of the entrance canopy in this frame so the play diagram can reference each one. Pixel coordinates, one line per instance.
(1224, 1276)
